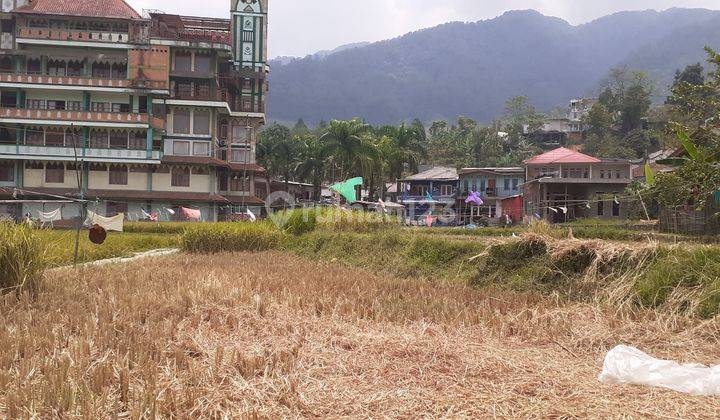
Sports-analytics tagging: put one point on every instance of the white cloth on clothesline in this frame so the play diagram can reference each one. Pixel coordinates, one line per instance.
(114, 224)
(50, 217)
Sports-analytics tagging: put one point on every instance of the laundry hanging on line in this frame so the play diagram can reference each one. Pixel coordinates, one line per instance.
(115, 224)
(50, 217)
(190, 214)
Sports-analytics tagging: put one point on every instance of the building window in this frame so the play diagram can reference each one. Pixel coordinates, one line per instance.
(34, 137)
(98, 140)
(241, 134)
(238, 183)
(202, 63)
(56, 105)
(101, 107)
(35, 104)
(34, 66)
(56, 68)
(446, 190)
(102, 70)
(73, 138)
(138, 140)
(600, 206)
(201, 122)
(55, 137)
(506, 184)
(239, 156)
(73, 106)
(515, 184)
(223, 129)
(201, 149)
(181, 121)
(181, 148)
(423, 190)
(119, 71)
(118, 140)
(54, 173)
(183, 61)
(180, 177)
(118, 175)
(75, 68)
(7, 172)
(121, 108)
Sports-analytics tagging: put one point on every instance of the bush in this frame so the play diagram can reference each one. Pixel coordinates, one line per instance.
(23, 258)
(231, 237)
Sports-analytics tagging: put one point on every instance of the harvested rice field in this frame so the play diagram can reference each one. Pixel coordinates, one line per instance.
(274, 335)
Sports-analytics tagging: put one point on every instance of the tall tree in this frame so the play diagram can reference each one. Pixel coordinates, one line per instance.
(277, 152)
(344, 140)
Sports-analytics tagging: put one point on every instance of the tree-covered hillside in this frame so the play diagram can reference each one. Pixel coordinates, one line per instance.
(471, 69)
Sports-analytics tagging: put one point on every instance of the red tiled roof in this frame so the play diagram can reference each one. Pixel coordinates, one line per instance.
(114, 9)
(562, 155)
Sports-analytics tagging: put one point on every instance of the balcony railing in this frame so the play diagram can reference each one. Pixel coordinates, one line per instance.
(194, 35)
(69, 152)
(74, 116)
(82, 81)
(73, 35)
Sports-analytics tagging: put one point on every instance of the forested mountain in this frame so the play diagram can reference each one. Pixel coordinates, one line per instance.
(471, 69)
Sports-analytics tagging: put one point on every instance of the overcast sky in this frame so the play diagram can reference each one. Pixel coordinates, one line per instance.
(298, 28)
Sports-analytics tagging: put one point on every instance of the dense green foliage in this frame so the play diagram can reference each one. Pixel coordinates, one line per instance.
(341, 150)
(472, 68)
(696, 105)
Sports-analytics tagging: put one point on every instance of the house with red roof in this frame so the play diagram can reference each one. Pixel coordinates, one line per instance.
(139, 114)
(563, 185)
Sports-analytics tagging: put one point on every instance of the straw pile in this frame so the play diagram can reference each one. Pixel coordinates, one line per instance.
(271, 335)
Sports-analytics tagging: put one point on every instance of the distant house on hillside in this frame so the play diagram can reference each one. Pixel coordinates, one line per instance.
(556, 132)
(435, 188)
(498, 188)
(563, 185)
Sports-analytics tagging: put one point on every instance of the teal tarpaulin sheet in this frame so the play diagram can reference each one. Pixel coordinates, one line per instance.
(347, 189)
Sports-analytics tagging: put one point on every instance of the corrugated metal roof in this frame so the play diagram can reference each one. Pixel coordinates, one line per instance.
(436, 173)
(562, 155)
(115, 9)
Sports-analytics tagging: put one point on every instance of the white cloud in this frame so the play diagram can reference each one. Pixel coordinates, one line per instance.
(303, 27)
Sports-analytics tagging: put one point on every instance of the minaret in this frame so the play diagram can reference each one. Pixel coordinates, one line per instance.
(249, 29)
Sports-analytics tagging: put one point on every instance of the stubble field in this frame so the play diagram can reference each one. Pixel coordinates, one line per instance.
(270, 334)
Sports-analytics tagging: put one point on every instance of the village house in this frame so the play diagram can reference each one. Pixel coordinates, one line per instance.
(499, 189)
(432, 190)
(154, 112)
(563, 185)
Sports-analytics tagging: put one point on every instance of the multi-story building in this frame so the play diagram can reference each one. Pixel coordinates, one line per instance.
(430, 191)
(564, 185)
(135, 113)
(497, 187)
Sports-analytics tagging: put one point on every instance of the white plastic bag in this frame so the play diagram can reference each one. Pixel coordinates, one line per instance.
(628, 365)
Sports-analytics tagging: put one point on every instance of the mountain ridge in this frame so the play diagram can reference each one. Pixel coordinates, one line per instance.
(471, 68)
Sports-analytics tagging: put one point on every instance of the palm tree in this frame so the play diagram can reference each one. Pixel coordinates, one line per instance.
(277, 152)
(344, 141)
(312, 162)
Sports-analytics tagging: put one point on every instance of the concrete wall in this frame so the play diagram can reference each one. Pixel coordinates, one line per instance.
(137, 181)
